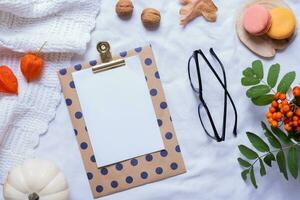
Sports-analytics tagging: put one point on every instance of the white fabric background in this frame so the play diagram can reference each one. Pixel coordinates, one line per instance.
(213, 172)
(25, 26)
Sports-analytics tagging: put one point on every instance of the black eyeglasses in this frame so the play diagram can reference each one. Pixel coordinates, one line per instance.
(199, 91)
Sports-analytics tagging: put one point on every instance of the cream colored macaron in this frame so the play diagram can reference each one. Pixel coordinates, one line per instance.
(283, 23)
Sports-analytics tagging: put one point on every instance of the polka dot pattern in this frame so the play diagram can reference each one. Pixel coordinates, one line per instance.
(149, 157)
(157, 75)
(68, 102)
(159, 170)
(163, 153)
(89, 175)
(83, 145)
(138, 49)
(93, 62)
(77, 67)
(163, 105)
(104, 171)
(144, 175)
(174, 166)
(159, 122)
(169, 135)
(75, 132)
(119, 166)
(149, 167)
(78, 115)
(153, 92)
(93, 159)
(72, 85)
(134, 162)
(129, 179)
(99, 188)
(148, 61)
(123, 54)
(114, 184)
(63, 71)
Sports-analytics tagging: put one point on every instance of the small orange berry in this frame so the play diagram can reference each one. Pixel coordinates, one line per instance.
(285, 102)
(281, 110)
(287, 127)
(282, 97)
(278, 115)
(274, 124)
(295, 118)
(268, 114)
(296, 91)
(276, 96)
(295, 123)
(285, 108)
(297, 112)
(270, 120)
(274, 104)
(272, 109)
(289, 114)
(280, 105)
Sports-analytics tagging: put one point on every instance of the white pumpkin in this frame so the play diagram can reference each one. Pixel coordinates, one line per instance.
(35, 180)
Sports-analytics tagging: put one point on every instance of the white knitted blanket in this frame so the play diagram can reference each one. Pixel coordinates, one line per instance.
(24, 26)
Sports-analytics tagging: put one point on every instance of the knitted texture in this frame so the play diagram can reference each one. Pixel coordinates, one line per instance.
(24, 26)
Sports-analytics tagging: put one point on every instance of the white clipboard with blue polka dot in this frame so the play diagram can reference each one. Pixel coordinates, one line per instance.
(134, 171)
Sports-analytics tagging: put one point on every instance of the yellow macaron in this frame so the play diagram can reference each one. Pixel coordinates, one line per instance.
(283, 23)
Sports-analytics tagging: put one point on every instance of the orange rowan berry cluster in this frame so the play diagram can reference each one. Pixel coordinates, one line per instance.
(287, 112)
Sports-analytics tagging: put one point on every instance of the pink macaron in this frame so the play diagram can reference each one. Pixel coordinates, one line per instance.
(257, 20)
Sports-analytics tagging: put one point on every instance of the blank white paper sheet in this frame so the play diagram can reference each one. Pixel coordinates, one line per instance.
(118, 112)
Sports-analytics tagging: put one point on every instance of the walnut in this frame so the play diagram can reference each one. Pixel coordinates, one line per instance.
(150, 17)
(124, 8)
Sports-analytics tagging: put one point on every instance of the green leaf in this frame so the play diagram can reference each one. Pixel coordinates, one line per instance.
(271, 138)
(257, 142)
(280, 157)
(247, 81)
(281, 135)
(244, 174)
(257, 67)
(243, 162)
(257, 91)
(247, 152)
(262, 168)
(263, 100)
(248, 72)
(252, 178)
(286, 82)
(268, 159)
(293, 162)
(273, 75)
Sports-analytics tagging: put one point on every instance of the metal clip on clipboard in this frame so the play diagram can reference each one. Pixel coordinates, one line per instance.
(107, 62)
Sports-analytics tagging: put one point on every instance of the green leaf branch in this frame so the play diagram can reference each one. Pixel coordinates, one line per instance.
(290, 162)
(262, 92)
(277, 146)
